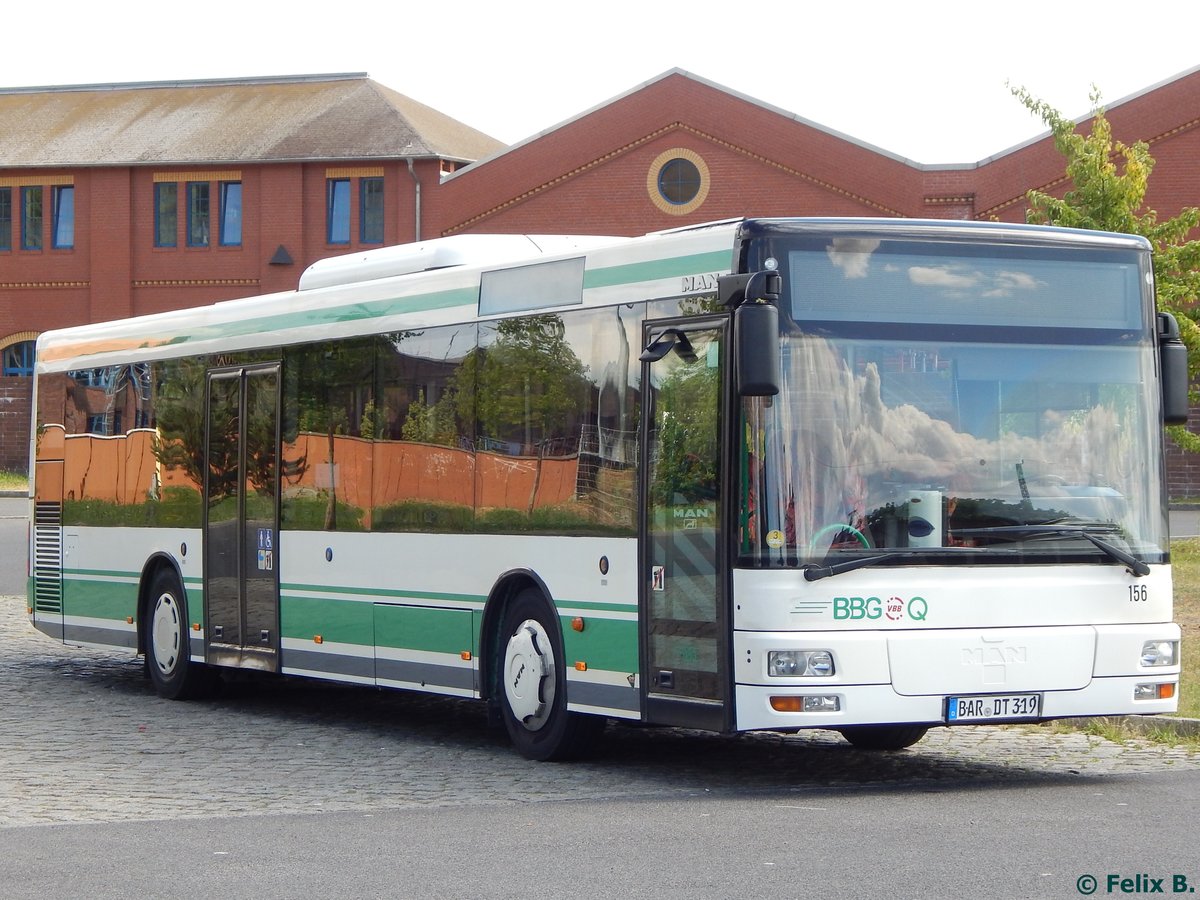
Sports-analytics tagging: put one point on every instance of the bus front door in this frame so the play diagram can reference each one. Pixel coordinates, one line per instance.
(241, 522)
(683, 619)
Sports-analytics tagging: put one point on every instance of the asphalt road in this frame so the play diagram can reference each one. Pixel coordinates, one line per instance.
(1021, 839)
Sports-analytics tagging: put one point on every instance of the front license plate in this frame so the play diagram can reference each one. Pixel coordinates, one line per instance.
(993, 707)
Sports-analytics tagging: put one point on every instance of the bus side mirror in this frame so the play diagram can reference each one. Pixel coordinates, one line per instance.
(1173, 369)
(756, 338)
(754, 298)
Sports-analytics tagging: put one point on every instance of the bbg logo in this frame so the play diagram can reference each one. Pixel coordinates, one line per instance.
(894, 608)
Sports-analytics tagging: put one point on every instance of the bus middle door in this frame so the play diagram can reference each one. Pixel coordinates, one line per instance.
(241, 520)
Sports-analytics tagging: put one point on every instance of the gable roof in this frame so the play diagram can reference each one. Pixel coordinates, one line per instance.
(678, 73)
(306, 117)
(677, 102)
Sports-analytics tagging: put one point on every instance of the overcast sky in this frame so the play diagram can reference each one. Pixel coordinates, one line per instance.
(922, 80)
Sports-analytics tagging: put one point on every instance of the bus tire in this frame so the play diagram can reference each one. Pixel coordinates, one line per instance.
(168, 655)
(884, 737)
(533, 685)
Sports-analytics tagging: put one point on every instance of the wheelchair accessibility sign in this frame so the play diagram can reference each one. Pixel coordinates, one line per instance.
(266, 549)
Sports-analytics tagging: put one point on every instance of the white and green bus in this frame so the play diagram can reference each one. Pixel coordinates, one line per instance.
(864, 475)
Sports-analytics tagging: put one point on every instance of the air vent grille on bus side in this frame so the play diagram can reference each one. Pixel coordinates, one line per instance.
(47, 557)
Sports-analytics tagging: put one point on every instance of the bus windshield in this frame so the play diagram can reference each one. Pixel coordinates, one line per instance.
(979, 402)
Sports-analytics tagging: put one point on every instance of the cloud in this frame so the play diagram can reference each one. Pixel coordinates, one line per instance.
(943, 277)
(852, 255)
(1005, 284)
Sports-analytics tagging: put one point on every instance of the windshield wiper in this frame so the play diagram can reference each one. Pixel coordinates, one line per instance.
(816, 573)
(1136, 566)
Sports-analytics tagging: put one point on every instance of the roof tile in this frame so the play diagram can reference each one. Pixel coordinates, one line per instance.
(241, 120)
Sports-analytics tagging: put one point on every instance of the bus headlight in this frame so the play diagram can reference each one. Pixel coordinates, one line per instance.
(796, 663)
(1160, 653)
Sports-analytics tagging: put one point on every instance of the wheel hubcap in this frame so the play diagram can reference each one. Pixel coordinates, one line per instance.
(529, 675)
(165, 634)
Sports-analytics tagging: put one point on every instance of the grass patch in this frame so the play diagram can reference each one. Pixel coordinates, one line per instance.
(1185, 560)
(1120, 730)
(1185, 564)
(1166, 733)
(13, 481)
(1110, 729)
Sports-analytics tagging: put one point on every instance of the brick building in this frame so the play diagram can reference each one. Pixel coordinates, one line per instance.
(125, 199)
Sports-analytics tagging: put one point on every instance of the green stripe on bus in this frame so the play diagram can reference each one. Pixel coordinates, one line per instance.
(335, 592)
(99, 599)
(607, 644)
(597, 606)
(371, 309)
(652, 270)
(381, 593)
(418, 628)
(304, 618)
(101, 573)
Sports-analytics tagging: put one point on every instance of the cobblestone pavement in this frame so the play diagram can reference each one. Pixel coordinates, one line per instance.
(83, 738)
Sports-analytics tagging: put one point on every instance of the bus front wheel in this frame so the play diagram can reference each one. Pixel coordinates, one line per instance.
(534, 685)
(168, 654)
(884, 737)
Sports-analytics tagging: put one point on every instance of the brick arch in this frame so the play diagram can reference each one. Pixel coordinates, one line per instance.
(19, 337)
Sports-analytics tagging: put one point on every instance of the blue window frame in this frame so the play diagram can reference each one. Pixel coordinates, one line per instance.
(18, 358)
(231, 213)
(197, 214)
(63, 217)
(166, 214)
(370, 210)
(337, 210)
(31, 218)
(6, 218)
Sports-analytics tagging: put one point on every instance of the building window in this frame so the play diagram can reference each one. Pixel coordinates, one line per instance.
(166, 214)
(18, 358)
(370, 210)
(678, 181)
(31, 218)
(197, 214)
(63, 217)
(6, 218)
(337, 211)
(231, 213)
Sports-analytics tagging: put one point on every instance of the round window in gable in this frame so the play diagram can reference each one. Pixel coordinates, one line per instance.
(678, 181)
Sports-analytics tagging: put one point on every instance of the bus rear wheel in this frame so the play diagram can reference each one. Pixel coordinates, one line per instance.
(168, 654)
(884, 737)
(533, 693)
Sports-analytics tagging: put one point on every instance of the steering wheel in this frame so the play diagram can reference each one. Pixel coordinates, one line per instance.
(836, 528)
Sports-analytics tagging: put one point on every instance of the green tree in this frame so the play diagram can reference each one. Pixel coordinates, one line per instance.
(332, 384)
(179, 413)
(688, 436)
(526, 386)
(1108, 181)
(182, 409)
(431, 424)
